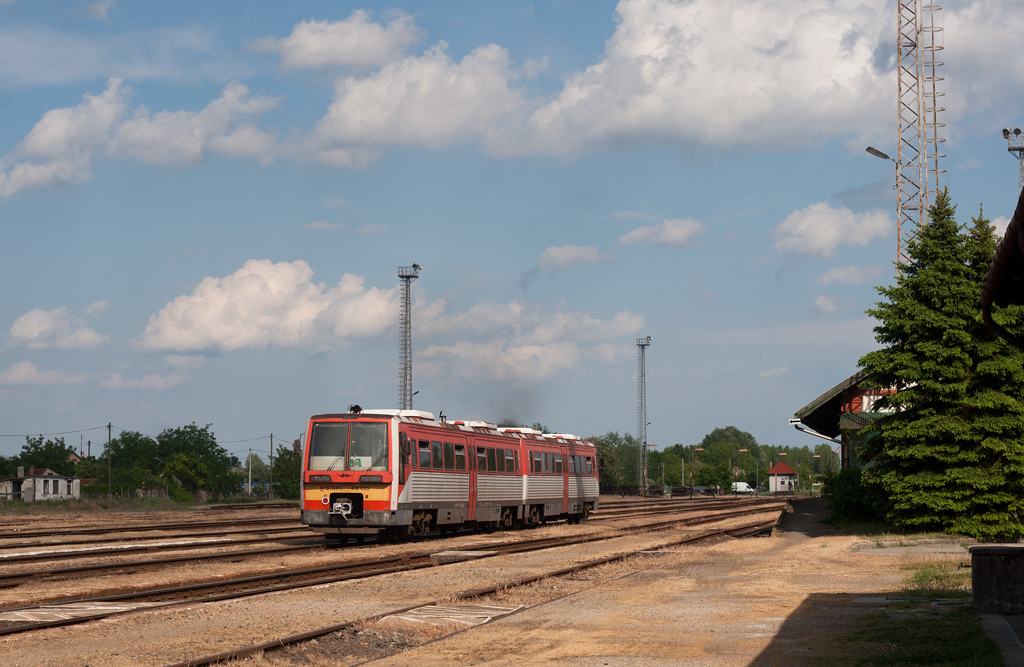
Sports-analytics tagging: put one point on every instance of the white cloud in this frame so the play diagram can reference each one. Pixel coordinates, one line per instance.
(529, 343)
(819, 229)
(674, 233)
(98, 10)
(353, 42)
(38, 55)
(56, 329)
(631, 215)
(427, 100)
(372, 229)
(322, 224)
(264, 304)
(184, 360)
(851, 275)
(778, 371)
(63, 146)
(27, 373)
(153, 382)
(825, 306)
(1000, 224)
(184, 137)
(338, 202)
(498, 360)
(720, 73)
(556, 257)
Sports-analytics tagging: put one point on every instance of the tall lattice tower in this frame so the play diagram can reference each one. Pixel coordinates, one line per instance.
(920, 116)
(407, 274)
(641, 407)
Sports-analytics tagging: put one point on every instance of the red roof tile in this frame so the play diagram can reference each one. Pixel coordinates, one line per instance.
(781, 469)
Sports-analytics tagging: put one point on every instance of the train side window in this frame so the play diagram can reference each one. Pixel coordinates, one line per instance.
(516, 452)
(509, 461)
(436, 455)
(558, 464)
(449, 456)
(499, 459)
(544, 462)
(425, 454)
(590, 467)
(572, 464)
(491, 465)
(481, 459)
(460, 457)
(536, 462)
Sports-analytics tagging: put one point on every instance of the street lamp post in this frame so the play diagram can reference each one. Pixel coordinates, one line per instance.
(692, 449)
(736, 471)
(810, 482)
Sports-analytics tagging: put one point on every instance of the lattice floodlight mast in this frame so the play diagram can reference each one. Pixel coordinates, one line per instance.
(407, 274)
(1015, 144)
(641, 408)
(934, 112)
(920, 116)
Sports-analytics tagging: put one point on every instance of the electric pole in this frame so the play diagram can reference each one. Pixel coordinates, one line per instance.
(109, 495)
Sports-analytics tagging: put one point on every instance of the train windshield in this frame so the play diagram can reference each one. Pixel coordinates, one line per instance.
(349, 446)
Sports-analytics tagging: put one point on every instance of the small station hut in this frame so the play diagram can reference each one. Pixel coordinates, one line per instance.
(781, 479)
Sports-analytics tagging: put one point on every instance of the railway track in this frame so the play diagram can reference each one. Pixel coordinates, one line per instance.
(16, 578)
(292, 527)
(138, 528)
(291, 578)
(283, 526)
(244, 653)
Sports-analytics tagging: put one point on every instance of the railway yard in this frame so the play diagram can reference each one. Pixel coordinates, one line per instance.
(215, 584)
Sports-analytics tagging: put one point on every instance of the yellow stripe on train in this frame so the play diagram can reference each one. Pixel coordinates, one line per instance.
(369, 491)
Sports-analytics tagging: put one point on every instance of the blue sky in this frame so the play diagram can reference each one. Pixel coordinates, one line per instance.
(204, 206)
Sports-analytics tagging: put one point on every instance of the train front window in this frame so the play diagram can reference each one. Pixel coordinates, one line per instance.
(327, 446)
(349, 446)
(368, 446)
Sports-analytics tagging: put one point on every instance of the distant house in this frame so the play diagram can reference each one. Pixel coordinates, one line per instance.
(40, 484)
(781, 479)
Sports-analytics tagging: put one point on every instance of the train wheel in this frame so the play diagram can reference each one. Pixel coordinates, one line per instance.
(420, 524)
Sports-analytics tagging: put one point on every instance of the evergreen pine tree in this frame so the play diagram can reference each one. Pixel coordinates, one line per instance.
(951, 455)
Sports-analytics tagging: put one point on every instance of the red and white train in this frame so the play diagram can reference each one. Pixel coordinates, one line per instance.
(400, 472)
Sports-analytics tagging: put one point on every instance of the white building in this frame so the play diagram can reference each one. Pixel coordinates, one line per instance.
(40, 484)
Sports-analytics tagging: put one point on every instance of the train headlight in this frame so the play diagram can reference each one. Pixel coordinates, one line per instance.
(372, 478)
(325, 500)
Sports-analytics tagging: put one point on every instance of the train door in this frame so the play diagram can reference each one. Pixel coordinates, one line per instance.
(565, 479)
(471, 471)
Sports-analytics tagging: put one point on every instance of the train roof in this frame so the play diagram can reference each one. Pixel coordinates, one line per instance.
(421, 418)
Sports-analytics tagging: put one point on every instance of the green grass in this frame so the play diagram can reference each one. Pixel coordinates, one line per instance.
(906, 632)
(887, 639)
(937, 579)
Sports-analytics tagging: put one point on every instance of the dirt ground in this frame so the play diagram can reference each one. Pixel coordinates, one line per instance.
(758, 601)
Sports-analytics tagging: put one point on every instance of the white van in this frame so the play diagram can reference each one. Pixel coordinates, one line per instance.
(742, 487)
